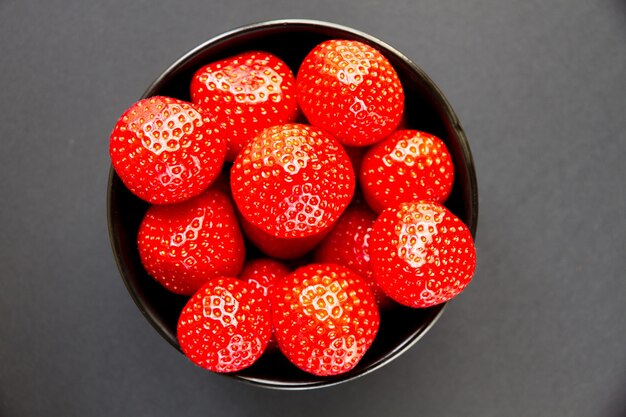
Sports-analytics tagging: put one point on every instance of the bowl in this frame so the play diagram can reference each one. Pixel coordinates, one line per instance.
(426, 109)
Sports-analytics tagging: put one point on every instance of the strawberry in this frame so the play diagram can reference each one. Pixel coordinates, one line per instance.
(407, 166)
(325, 318)
(421, 254)
(350, 90)
(246, 93)
(263, 272)
(166, 150)
(225, 326)
(292, 181)
(348, 245)
(186, 244)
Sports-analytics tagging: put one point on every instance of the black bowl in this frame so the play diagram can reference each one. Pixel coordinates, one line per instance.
(426, 109)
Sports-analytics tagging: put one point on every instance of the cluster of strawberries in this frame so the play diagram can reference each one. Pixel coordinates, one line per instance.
(346, 206)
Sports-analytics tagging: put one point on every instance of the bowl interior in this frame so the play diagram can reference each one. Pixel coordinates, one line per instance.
(426, 109)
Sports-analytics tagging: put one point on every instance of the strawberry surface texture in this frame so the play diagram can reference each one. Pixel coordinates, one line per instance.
(245, 94)
(184, 245)
(407, 166)
(292, 181)
(347, 244)
(325, 318)
(421, 254)
(225, 326)
(262, 273)
(166, 150)
(350, 90)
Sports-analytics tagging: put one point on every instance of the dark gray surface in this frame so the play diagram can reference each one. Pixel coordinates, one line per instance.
(540, 88)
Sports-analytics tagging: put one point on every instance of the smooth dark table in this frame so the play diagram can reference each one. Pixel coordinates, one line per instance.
(540, 88)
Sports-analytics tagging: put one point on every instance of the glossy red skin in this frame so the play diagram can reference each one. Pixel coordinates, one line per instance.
(292, 181)
(325, 318)
(277, 247)
(356, 155)
(407, 166)
(350, 90)
(185, 245)
(347, 244)
(166, 150)
(263, 272)
(246, 93)
(421, 254)
(225, 325)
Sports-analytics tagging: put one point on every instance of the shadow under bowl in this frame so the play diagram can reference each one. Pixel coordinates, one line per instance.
(426, 109)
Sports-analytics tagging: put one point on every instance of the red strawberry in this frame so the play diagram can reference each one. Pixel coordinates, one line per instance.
(350, 90)
(421, 254)
(186, 244)
(292, 181)
(408, 166)
(225, 326)
(325, 318)
(263, 272)
(166, 150)
(347, 245)
(246, 93)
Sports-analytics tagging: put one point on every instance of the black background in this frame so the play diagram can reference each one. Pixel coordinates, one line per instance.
(540, 88)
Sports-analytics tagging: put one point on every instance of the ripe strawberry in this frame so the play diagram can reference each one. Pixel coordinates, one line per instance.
(166, 150)
(325, 318)
(348, 245)
(225, 326)
(292, 181)
(350, 90)
(263, 272)
(407, 166)
(421, 254)
(186, 244)
(246, 93)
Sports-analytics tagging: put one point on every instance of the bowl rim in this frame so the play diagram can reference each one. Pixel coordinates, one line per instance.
(437, 95)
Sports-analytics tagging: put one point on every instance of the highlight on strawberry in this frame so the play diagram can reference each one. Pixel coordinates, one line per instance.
(166, 150)
(367, 95)
(246, 94)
